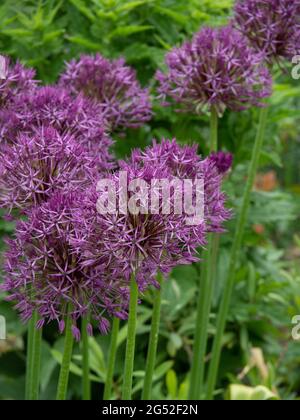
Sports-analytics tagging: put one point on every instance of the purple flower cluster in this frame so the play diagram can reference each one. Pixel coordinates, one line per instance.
(18, 80)
(217, 69)
(67, 259)
(222, 160)
(55, 107)
(37, 165)
(44, 273)
(145, 243)
(272, 26)
(114, 86)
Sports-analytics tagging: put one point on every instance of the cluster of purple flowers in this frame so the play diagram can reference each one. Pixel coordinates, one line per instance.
(54, 144)
(44, 273)
(68, 259)
(217, 69)
(113, 85)
(271, 26)
(17, 79)
(144, 243)
(38, 164)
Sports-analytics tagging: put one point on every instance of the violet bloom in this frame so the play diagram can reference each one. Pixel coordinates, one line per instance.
(15, 79)
(36, 165)
(183, 162)
(272, 26)
(114, 86)
(54, 107)
(147, 242)
(42, 272)
(223, 161)
(217, 69)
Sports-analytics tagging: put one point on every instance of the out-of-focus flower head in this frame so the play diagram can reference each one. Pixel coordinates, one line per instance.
(271, 26)
(217, 69)
(114, 86)
(42, 271)
(14, 80)
(183, 162)
(146, 242)
(222, 160)
(34, 166)
(55, 107)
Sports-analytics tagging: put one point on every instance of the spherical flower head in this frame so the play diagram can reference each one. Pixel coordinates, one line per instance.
(36, 165)
(271, 26)
(217, 69)
(14, 80)
(223, 161)
(146, 241)
(55, 107)
(42, 271)
(183, 162)
(114, 86)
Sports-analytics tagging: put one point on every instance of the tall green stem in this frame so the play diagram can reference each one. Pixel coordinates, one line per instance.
(214, 119)
(112, 359)
(33, 367)
(153, 341)
(86, 383)
(205, 294)
(130, 346)
(62, 387)
(237, 243)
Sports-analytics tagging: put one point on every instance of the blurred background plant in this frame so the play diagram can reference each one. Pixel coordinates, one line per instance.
(258, 348)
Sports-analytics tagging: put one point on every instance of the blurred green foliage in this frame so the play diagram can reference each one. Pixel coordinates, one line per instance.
(44, 34)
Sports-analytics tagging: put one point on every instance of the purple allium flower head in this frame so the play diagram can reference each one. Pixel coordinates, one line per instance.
(148, 242)
(222, 160)
(216, 69)
(113, 85)
(16, 79)
(54, 107)
(34, 166)
(43, 272)
(272, 26)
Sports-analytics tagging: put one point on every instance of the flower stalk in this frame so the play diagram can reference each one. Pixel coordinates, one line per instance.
(153, 342)
(131, 337)
(112, 359)
(236, 247)
(62, 387)
(205, 293)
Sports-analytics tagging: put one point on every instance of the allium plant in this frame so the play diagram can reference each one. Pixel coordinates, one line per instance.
(43, 272)
(146, 243)
(217, 69)
(141, 246)
(55, 107)
(36, 165)
(17, 79)
(271, 26)
(113, 85)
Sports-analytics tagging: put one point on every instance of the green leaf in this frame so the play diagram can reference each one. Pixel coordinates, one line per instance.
(172, 384)
(246, 393)
(129, 30)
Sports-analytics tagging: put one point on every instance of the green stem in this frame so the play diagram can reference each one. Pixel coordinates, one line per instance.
(237, 243)
(202, 323)
(62, 386)
(130, 345)
(205, 294)
(86, 383)
(33, 367)
(112, 359)
(214, 119)
(153, 342)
